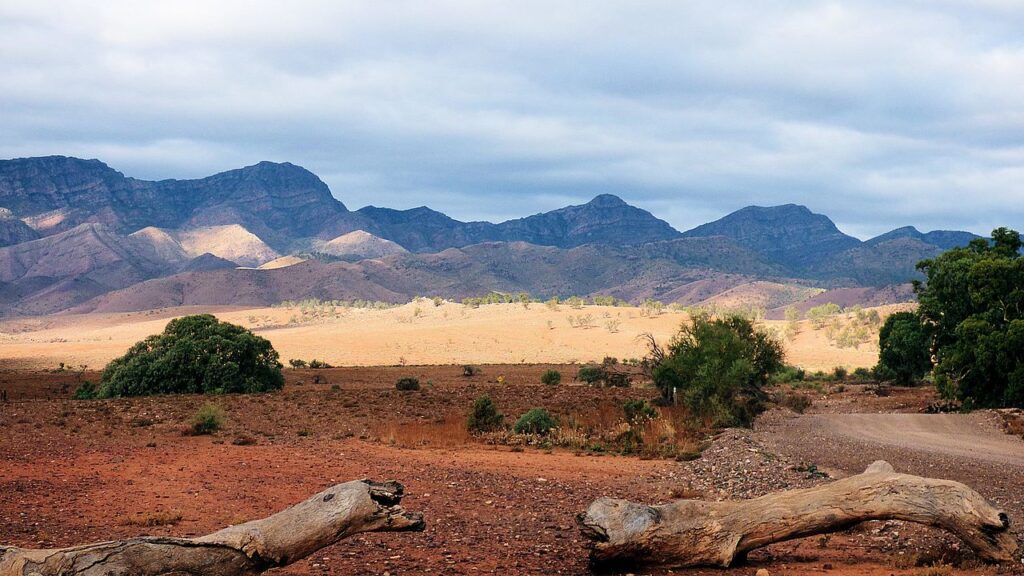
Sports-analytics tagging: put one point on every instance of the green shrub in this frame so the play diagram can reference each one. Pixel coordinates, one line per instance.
(85, 391)
(638, 411)
(194, 355)
(535, 421)
(484, 417)
(590, 374)
(862, 375)
(407, 384)
(318, 365)
(839, 373)
(719, 367)
(788, 374)
(551, 378)
(209, 419)
(297, 363)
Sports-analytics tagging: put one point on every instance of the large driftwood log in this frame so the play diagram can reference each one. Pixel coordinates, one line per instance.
(699, 533)
(250, 548)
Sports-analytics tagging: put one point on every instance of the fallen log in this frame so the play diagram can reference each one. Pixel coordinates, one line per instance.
(249, 548)
(700, 533)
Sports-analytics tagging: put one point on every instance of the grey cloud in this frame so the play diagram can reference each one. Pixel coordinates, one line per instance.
(878, 114)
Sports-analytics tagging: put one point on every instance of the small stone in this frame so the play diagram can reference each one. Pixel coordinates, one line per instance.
(762, 572)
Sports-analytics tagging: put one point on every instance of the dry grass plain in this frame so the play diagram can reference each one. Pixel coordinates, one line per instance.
(415, 334)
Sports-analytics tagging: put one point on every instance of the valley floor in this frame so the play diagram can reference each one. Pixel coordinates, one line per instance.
(414, 334)
(78, 471)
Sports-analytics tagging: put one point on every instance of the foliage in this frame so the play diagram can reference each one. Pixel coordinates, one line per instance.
(407, 384)
(551, 378)
(973, 305)
(839, 373)
(209, 419)
(590, 374)
(638, 411)
(297, 363)
(86, 391)
(195, 354)
(719, 367)
(484, 417)
(788, 374)
(535, 421)
(820, 315)
(904, 348)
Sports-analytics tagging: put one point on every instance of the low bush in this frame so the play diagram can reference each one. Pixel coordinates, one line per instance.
(551, 378)
(839, 373)
(863, 375)
(209, 419)
(297, 363)
(470, 371)
(407, 384)
(788, 374)
(590, 374)
(317, 364)
(796, 402)
(638, 412)
(86, 391)
(484, 417)
(535, 421)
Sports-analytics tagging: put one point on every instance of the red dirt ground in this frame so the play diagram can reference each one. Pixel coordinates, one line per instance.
(79, 471)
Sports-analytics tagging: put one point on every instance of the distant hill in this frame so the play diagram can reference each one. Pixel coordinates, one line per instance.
(77, 233)
(942, 239)
(791, 235)
(359, 244)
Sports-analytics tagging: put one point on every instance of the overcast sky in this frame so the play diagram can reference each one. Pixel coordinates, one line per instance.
(878, 114)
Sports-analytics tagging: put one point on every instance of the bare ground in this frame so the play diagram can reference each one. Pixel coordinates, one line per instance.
(73, 472)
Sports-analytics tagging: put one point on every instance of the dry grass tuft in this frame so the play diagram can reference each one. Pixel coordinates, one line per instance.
(441, 433)
(153, 519)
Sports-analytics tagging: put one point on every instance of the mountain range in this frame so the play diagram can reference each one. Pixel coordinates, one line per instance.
(77, 234)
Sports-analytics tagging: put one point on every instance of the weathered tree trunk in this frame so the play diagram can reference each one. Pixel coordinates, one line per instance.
(699, 533)
(250, 548)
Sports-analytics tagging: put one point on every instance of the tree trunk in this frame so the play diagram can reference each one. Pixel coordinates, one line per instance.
(699, 533)
(250, 548)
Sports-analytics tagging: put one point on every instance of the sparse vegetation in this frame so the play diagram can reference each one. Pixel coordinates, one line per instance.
(551, 378)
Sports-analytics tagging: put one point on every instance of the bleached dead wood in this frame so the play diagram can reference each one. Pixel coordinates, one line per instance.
(699, 533)
(250, 548)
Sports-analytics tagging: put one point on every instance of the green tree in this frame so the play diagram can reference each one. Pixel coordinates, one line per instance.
(904, 348)
(195, 355)
(973, 304)
(718, 366)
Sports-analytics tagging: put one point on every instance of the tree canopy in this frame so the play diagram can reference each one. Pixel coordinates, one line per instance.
(194, 355)
(973, 304)
(904, 346)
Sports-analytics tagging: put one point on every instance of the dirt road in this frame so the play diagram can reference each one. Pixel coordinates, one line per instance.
(957, 435)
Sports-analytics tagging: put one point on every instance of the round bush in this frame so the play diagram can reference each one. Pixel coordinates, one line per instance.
(536, 421)
(484, 417)
(551, 378)
(195, 355)
(408, 384)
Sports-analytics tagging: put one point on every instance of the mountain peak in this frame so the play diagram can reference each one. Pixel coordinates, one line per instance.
(791, 234)
(607, 201)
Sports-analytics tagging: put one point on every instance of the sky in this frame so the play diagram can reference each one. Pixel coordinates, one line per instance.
(878, 114)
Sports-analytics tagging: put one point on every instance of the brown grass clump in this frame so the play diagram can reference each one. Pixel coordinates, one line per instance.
(154, 519)
(441, 433)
